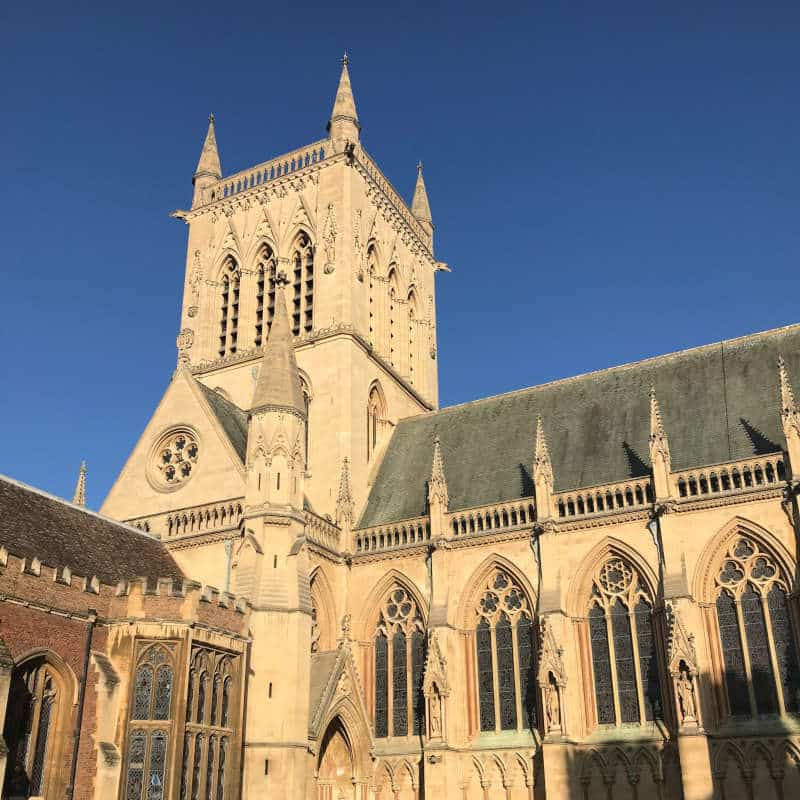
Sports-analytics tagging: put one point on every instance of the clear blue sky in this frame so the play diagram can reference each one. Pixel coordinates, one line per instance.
(609, 181)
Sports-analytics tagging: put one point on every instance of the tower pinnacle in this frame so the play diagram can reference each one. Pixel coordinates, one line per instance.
(209, 169)
(420, 207)
(278, 383)
(344, 126)
(79, 498)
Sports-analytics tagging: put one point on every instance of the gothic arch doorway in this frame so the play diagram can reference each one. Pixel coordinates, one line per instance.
(336, 778)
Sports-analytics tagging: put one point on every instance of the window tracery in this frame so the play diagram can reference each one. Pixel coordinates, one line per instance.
(209, 720)
(35, 703)
(303, 285)
(759, 651)
(174, 458)
(229, 308)
(265, 293)
(504, 655)
(150, 723)
(624, 664)
(399, 662)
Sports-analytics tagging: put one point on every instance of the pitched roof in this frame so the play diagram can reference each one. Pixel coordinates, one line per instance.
(322, 665)
(59, 534)
(232, 419)
(719, 403)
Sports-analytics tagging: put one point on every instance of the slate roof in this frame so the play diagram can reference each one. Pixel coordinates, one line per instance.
(322, 665)
(232, 419)
(719, 403)
(35, 524)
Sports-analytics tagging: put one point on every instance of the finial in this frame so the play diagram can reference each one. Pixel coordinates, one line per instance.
(211, 117)
(345, 59)
(437, 486)
(419, 166)
(79, 498)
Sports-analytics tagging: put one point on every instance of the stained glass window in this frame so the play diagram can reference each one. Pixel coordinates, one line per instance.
(48, 697)
(626, 670)
(212, 743)
(136, 753)
(163, 698)
(158, 762)
(143, 692)
(505, 674)
(226, 699)
(201, 698)
(648, 667)
(399, 684)
(198, 756)
(751, 602)
(190, 694)
(417, 667)
(215, 697)
(526, 684)
(187, 740)
(483, 637)
(223, 745)
(381, 686)
(601, 663)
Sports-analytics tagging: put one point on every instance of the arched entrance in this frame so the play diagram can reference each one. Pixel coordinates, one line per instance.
(336, 768)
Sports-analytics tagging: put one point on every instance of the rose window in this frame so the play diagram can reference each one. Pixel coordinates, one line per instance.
(175, 458)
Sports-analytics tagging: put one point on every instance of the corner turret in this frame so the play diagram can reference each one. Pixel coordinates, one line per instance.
(209, 169)
(343, 126)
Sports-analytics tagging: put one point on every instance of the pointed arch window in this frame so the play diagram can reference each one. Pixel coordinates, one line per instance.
(150, 725)
(372, 270)
(758, 647)
(624, 661)
(265, 293)
(303, 285)
(209, 725)
(412, 334)
(376, 419)
(229, 308)
(33, 730)
(399, 662)
(504, 655)
(394, 293)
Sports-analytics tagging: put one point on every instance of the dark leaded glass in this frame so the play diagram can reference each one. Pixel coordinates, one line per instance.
(215, 698)
(381, 686)
(42, 735)
(142, 693)
(506, 685)
(758, 649)
(198, 755)
(212, 746)
(223, 745)
(483, 639)
(417, 667)
(735, 678)
(163, 699)
(601, 663)
(135, 780)
(626, 669)
(158, 763)
(226, 702)
(785, 653)
(399, 685)
(201, 698)
(648, 666)
(185, 765)
(190, 695)
(526, 677)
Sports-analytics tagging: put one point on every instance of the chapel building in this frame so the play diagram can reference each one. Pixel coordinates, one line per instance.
(308, 581)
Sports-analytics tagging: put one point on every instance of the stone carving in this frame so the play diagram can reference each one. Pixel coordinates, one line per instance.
(435, 686)
(552, 705)
(184, 343)
(686, 701)
(195, 280)
(682, 661)
(552, 676)
(358, 249)
(329, 232)
(436, 714)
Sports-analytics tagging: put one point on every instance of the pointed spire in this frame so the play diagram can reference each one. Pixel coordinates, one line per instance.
(659, 444)
(437, 486)
(209, 165)
(790, 420)
(278, 384)
(420, 207)
(788, 407)
(79, 498)
(343, 125)
(543, 479)
(542, 466)
(344, 499)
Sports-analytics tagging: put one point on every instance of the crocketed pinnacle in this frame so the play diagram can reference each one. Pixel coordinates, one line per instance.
(344, 106)
(420, 207)
(437, 488)
(344, 499)
(659, 443)
(209, 164)
(788, 407)
(79, 498)
(278, 384)
(542, 466)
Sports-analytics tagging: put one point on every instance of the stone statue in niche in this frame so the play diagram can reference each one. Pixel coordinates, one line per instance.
(552, 705)
(436, 714)
(685, 686)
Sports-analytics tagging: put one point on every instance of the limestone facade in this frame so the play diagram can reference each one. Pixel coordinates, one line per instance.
(586, 589)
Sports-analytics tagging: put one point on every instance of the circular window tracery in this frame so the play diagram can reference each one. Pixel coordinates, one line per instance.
(174, 459)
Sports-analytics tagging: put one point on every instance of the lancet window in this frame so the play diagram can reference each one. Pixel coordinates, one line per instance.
(758, 648)
(150, 726)
(504, 655)
(624, 661)
(393, 314)
(412, 334)
(399, 664)
(372, 269)
(376, 419)
(303, 285)
(229, 308)
(210, 709)
(265, 293)
(37, 700)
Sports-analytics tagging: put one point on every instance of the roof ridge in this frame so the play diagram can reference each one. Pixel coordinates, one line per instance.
(81, 509)
(626, 366)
